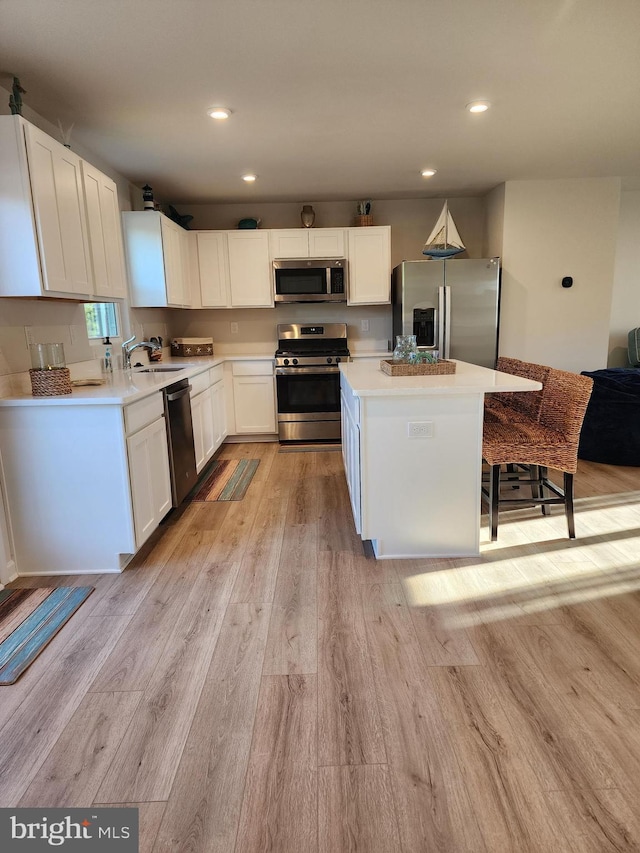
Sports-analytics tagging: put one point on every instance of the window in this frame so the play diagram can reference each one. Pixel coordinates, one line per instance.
(102, 320)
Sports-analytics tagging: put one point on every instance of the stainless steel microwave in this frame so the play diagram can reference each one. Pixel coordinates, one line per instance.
(310, 280)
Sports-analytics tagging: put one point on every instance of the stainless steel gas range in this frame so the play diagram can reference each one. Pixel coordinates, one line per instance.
(308, 380)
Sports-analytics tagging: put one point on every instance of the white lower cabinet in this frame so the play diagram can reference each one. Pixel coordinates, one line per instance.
(202, 417)
(254, 398)
(149, 475)
(351, 452)
(85, 484)
(218, 406)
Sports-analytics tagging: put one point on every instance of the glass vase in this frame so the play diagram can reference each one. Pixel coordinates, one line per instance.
(405, 345)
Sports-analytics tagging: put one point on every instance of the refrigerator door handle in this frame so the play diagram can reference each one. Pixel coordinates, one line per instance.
(447, 321)
(443, 310)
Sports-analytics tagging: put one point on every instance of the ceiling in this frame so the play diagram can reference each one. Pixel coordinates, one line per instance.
(334, 99)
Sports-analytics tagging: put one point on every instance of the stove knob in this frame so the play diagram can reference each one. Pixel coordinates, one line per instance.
(329, 360)
(338, 360)
(286, 361)
(295, 360)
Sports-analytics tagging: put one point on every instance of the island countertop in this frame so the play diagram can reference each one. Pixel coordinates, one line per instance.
(367, 380)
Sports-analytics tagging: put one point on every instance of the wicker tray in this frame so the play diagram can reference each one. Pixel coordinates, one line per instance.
(394, 368)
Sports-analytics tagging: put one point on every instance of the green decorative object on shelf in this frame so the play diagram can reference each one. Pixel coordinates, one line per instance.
(15, 98)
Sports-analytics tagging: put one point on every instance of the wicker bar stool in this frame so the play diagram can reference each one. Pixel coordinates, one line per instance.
(513, 406)
(534, 445)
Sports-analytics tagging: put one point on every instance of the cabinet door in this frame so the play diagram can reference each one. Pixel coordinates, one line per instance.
(173, 262)
(149, 474)
(289, 243)
(58, 202)
(351, 459)
(254, 404)
(105, 236)
(202, 417)
(326, 243)
(369, 265)
(213, 268)
(250, 269)
(219, 413)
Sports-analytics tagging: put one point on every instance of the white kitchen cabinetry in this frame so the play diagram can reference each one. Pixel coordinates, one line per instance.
(307, 243)
(212, 266)
(44, 247)
(149, 477)
(254, 399)
(350, 415)
(157, 251)
(105, 233)
(202, 418)
(369, 265)
(218, 405)
(249, 269)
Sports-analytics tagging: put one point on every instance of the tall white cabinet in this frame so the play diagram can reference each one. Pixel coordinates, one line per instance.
(60, 231)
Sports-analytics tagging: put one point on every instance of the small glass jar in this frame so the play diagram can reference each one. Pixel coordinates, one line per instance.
(405, 345)
(47, 356)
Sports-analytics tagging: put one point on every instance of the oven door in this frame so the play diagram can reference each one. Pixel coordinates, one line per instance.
(308, 403)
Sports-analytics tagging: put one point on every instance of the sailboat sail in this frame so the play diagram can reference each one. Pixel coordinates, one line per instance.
(444, 241)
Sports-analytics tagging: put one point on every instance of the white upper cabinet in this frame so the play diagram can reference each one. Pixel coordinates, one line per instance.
(249, 269)
(105, 233)
(369, 265)
(213, 269)
(44, 248)
(157, 260)
(307, 243)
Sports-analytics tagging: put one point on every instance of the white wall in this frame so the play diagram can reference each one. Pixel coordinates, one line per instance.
(625, 304)
(554, 229)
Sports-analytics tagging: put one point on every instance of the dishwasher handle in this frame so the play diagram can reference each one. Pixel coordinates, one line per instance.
(178, 394)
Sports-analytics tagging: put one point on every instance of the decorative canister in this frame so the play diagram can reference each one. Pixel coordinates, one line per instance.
(49, 374)
(405, 345)
(307, 215)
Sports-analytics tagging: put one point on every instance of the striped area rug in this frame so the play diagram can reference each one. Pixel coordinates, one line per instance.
(29, 619)
(228, 481)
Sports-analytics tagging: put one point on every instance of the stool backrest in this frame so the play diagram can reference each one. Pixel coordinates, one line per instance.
(527, 402)
(565, 397)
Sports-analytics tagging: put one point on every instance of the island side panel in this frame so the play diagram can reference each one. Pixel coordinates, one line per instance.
(421, 496)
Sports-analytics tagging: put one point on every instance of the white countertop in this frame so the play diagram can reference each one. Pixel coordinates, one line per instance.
(367, 380)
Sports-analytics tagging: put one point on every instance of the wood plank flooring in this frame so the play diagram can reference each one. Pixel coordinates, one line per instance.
(255, 681)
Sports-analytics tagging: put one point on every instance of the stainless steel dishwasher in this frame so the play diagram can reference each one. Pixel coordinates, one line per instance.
(182, 455)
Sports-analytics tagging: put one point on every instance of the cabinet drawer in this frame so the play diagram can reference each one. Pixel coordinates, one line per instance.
(199, 383)
(253, 368)
(216, 374)
(143, 412)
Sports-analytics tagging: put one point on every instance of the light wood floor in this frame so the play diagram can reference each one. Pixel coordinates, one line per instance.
(256, 682)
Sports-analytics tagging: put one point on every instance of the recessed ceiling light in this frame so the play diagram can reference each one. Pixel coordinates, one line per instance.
(478, 106)
(219, 112)
(249, 178)
(428, 173)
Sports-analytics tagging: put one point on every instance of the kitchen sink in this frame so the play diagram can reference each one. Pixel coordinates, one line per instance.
(163, 369)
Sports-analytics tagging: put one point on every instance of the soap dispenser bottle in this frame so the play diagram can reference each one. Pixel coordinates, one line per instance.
(107, 362)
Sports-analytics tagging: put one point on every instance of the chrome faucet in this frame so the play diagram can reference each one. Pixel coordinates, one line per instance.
(127, 350)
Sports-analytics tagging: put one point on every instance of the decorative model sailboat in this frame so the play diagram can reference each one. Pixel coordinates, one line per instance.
(444, 241)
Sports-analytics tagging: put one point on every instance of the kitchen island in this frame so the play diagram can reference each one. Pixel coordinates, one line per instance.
(412, 450)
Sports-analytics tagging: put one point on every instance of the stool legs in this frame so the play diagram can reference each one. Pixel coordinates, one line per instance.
(568, 504)
(494, 500)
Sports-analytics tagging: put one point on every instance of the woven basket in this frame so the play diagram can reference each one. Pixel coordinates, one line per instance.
(50, 383)
(399, 368)
(364, 220)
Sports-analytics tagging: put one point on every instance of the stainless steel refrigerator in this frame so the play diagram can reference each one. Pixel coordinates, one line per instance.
(450, 305)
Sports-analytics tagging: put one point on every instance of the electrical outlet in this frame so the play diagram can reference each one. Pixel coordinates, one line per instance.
(28, 334)
(234, 328)
(420, 429)
(364, 325)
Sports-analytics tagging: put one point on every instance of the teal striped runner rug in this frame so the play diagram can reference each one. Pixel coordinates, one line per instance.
(29, 619)
(228, 480)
